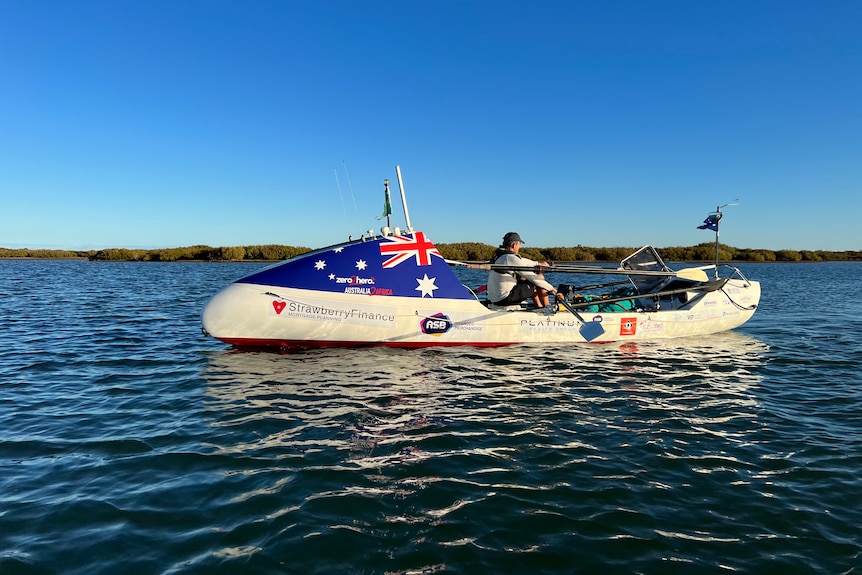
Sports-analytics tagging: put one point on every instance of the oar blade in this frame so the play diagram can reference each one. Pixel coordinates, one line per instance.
(591, 330)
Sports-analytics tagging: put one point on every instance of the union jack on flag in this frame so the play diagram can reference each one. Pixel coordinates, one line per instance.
(402, 248)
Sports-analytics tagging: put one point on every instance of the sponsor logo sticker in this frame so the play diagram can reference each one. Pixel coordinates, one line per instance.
(314, 310)
(436, 325)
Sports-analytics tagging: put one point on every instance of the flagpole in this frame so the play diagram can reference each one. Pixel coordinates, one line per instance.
(717, 225)
(387, 202)
(713, 222)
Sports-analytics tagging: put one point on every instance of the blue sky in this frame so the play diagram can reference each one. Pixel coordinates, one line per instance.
(158, 123)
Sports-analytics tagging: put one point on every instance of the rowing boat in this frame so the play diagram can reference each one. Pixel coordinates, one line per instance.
(396, 289)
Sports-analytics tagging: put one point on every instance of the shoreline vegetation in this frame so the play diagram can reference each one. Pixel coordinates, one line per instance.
(464, 251)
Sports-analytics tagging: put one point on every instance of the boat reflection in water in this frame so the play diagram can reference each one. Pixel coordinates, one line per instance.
(357, 401)
(429, 453)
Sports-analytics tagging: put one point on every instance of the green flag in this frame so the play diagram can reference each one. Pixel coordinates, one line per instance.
(387, 205)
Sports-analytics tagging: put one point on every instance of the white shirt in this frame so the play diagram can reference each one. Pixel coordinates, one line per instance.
(501, 283)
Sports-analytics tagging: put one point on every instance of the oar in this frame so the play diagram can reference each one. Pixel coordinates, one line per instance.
(469, 265)
(704, 288)
(694, 274)
(589, 330)
(597, 286)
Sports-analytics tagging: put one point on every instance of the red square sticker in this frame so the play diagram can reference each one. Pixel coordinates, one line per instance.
(628, 325)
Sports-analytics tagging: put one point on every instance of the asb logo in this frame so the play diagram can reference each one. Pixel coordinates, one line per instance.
(436, 324)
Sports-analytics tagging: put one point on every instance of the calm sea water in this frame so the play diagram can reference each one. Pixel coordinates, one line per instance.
(130, 443)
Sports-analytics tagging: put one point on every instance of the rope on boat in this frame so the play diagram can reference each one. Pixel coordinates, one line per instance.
(743, 308)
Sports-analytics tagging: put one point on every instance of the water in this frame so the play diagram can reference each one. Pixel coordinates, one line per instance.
(130, 443)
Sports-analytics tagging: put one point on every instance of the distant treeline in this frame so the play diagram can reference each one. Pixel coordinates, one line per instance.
(473, 251)
(465, 251)
(270, 252)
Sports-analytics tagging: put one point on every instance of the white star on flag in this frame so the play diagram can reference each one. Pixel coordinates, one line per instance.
(360, 265)
(338, 250)
(331, 276)
(319, 265)
(426, 286)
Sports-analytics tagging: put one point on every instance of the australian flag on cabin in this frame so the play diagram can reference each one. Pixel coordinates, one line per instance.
(711, 222)
(407, 265)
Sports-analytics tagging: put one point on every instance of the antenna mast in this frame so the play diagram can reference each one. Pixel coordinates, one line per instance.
(403, 200)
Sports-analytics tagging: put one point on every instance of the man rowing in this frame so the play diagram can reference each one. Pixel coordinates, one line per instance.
(512, 287)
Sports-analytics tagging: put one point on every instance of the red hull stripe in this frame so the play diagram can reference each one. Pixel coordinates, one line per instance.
(310, 344)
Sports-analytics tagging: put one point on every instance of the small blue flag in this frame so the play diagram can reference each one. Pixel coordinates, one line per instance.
(711, 222)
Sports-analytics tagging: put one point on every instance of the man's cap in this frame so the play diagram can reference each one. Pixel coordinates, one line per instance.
(511, 238)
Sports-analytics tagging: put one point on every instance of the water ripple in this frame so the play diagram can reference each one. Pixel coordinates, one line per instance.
(130, 442)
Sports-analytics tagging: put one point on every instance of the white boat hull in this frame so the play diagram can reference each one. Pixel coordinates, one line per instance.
(255, 315)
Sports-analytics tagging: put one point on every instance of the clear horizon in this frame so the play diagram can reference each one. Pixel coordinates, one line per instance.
(149, 125)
